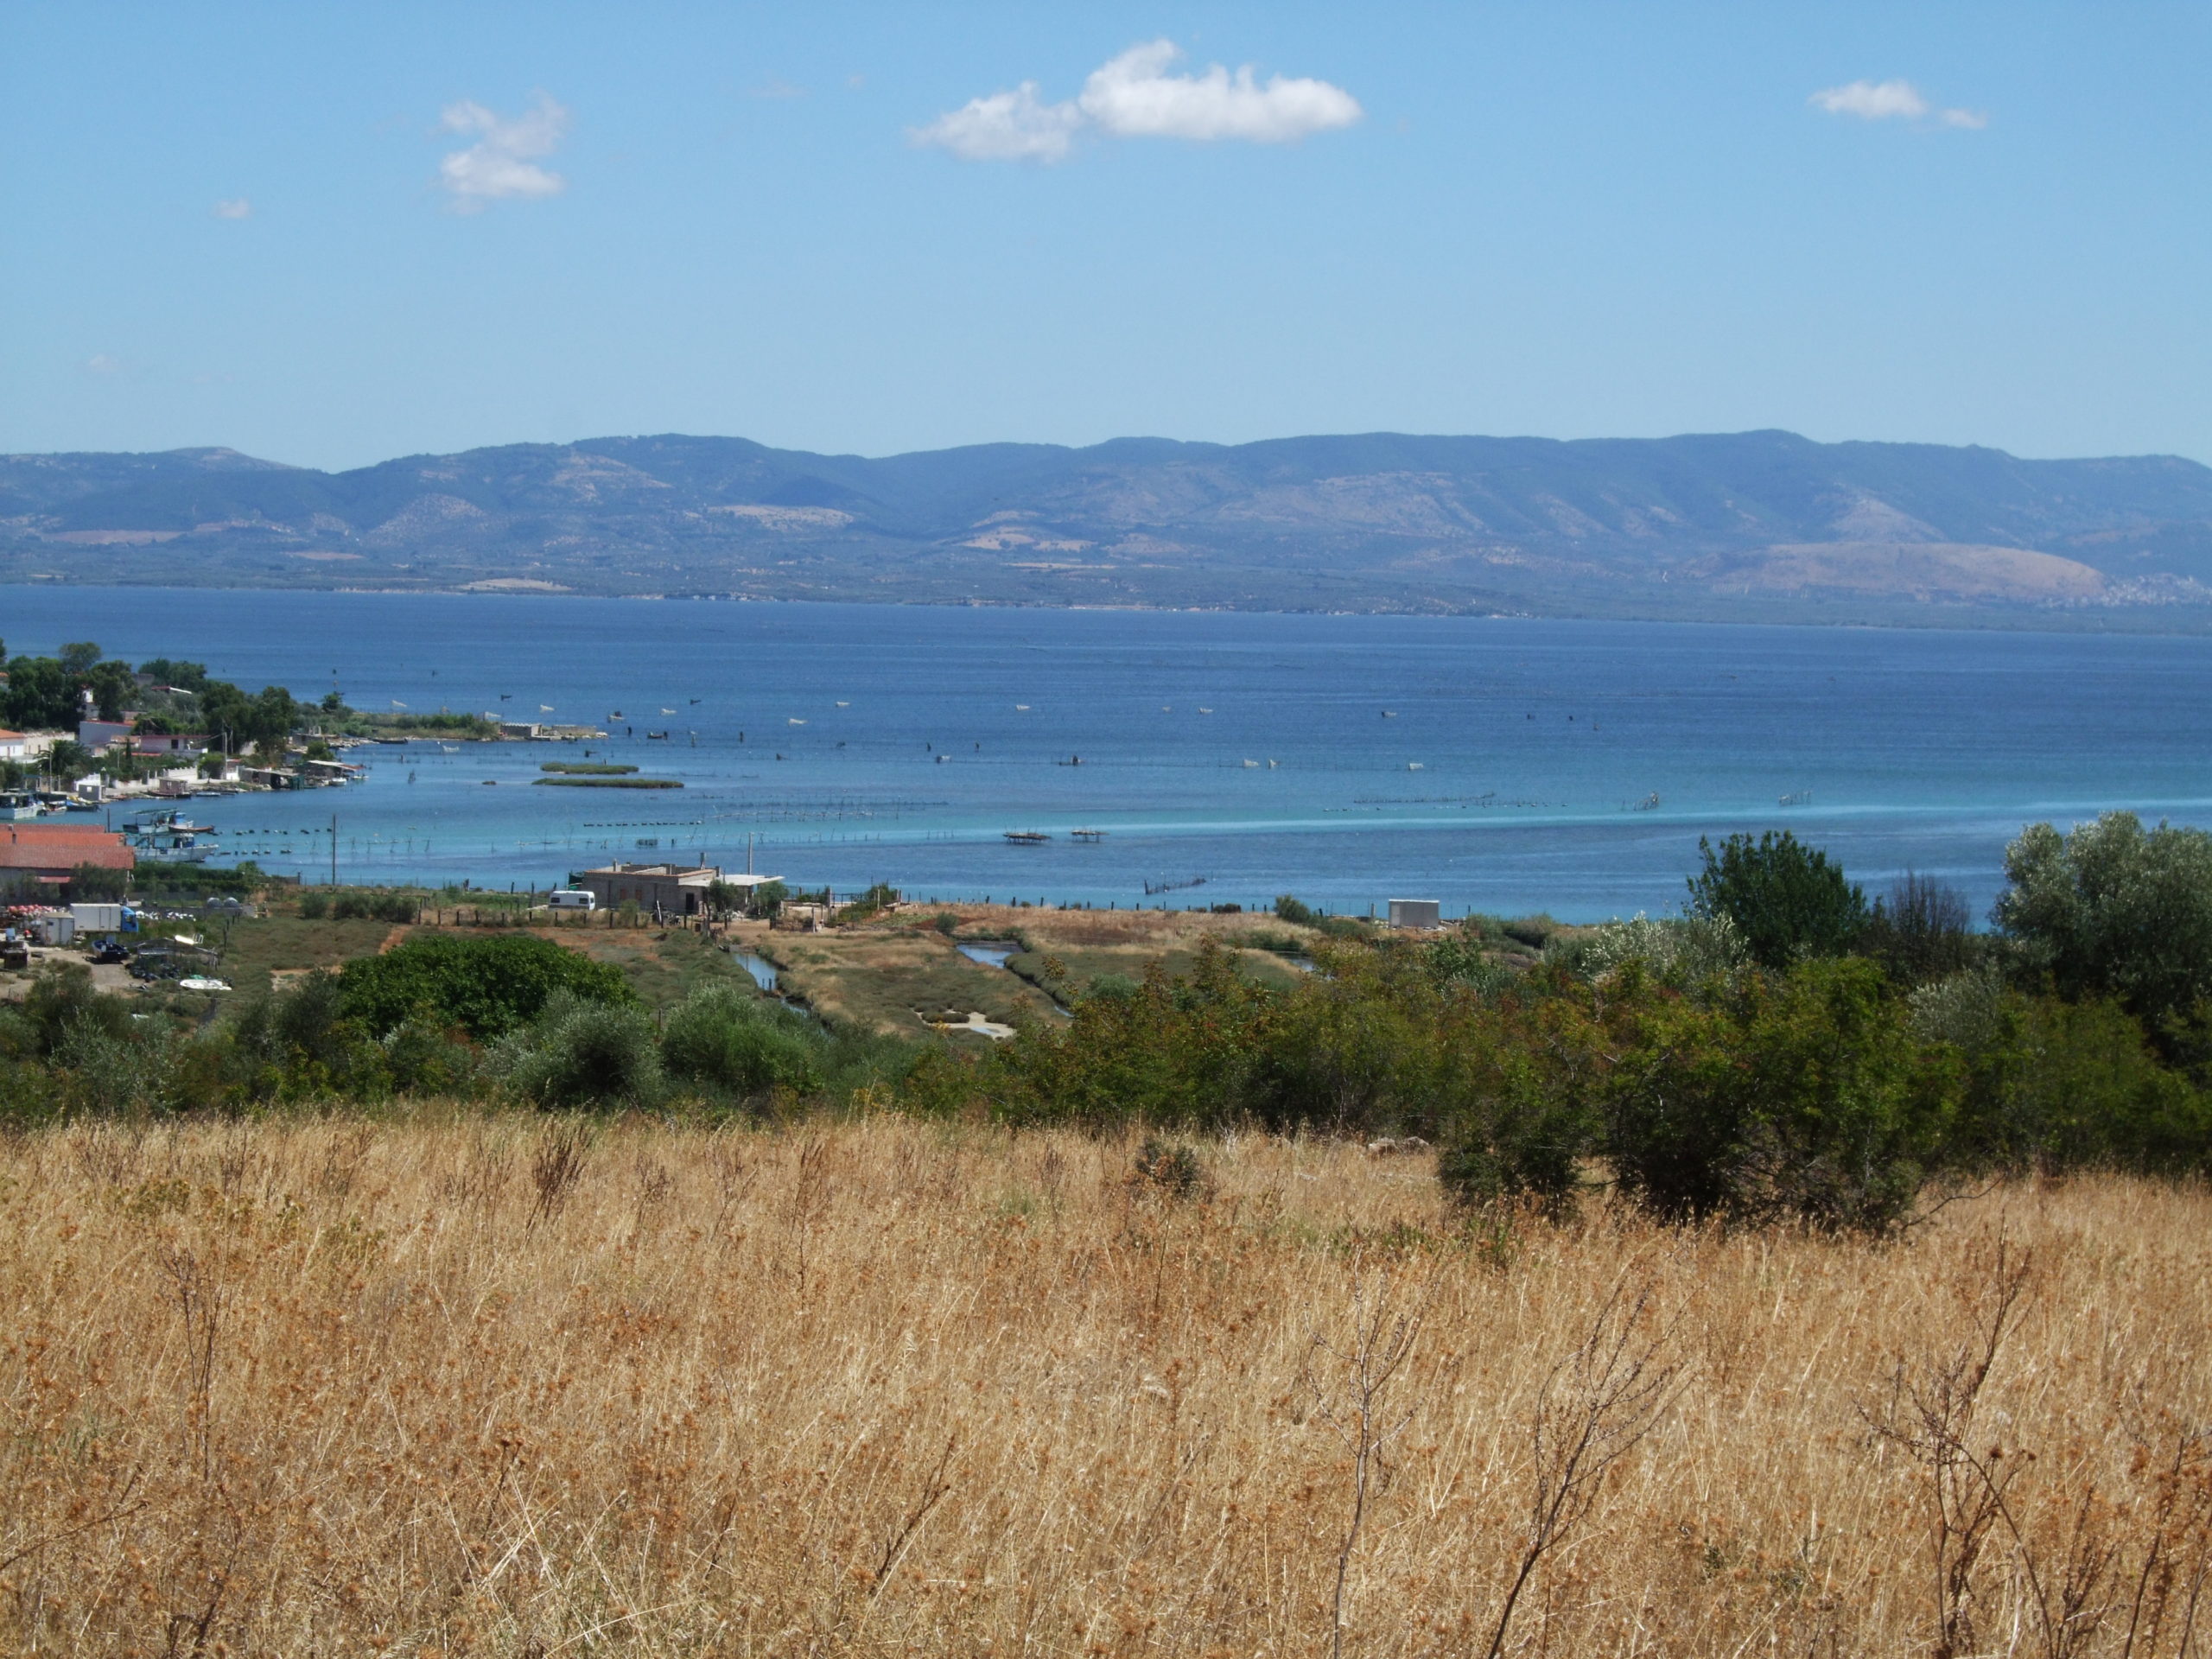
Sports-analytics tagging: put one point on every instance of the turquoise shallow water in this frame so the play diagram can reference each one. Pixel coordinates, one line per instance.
(1494, 763)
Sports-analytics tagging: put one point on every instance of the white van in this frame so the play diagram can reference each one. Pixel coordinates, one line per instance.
(571, 898)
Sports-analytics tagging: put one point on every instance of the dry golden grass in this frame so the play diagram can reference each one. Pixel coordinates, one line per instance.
(480, 1387)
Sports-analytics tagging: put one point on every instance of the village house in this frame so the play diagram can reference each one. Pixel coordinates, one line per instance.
(15, 745)
(668, 889)
(179, 745)
(48, 853)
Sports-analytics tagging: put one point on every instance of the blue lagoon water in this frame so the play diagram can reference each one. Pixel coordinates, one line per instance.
(1496, 764)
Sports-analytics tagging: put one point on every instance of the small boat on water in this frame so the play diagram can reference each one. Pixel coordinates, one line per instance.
(1027, 837)
(1088, 834)
(164, 821)
(657, 737)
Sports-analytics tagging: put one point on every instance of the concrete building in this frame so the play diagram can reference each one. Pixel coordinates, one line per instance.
(1416, 912)
(672, 889)
(15, 746)
(179, 746)
(97, 735)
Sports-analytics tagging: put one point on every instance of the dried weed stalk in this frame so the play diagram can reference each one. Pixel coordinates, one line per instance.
(1386, 1325)
(1593, 1409)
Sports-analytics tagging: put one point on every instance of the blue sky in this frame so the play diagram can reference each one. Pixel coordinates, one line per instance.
(328, 234)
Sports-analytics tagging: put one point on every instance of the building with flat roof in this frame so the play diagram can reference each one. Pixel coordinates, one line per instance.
(184, 746)
(1416, 912)
(669, 889)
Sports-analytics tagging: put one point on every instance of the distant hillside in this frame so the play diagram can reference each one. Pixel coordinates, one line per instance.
(1748, 523)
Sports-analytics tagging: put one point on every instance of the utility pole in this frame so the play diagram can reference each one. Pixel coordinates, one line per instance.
(333, 849)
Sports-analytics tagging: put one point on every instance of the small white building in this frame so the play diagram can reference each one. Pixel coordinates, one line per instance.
(1416, 912)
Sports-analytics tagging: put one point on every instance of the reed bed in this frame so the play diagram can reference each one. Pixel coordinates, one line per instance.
(505, 1385)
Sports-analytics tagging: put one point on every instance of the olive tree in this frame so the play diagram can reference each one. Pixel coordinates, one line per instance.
(2114, 910)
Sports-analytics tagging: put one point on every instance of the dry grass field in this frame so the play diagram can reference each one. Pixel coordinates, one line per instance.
(517, 1386)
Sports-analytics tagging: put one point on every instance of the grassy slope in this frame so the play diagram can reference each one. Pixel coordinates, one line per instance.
(888, 1387)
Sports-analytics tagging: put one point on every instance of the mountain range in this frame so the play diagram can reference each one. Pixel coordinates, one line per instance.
(1744, 524)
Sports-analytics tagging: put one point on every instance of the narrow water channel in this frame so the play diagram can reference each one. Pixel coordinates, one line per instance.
(763, 970)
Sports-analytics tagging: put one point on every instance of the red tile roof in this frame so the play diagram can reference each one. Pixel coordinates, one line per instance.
(61, 848)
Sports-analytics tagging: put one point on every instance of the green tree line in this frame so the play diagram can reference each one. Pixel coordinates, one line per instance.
(1784, 1050)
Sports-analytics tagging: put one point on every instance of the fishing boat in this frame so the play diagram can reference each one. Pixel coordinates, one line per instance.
(1027, 837)
(1088, 834)
(164, 821)
(657, 737)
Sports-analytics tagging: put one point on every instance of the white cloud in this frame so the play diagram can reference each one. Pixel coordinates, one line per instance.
(1132, 96)
(502, 164)
(1015, 126)
(101, 363)
(237, 207)
(1871, 100)
(1890, 100)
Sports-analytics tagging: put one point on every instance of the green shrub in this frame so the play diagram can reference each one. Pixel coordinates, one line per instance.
(1177, 1051)
(1803, 1098)
(1786, 901)
(355, 905)
(486, 987)
(1290, 910)
(724, 1039)
(61, 1000)
(301, 1044)
(2059, 1086)
(583, 1053)
(1517, 1128)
